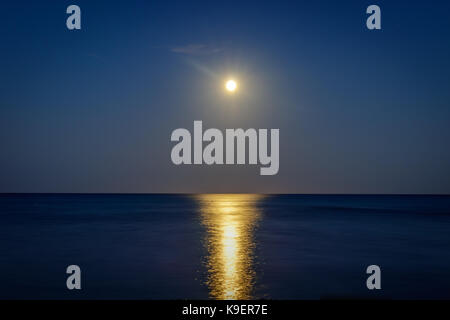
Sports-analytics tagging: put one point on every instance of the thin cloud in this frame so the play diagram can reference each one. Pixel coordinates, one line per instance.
(196, 49)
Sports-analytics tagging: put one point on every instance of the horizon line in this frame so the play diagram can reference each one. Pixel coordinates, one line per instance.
(197, 193)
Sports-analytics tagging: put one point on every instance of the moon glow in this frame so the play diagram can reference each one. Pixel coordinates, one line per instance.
(231, 86)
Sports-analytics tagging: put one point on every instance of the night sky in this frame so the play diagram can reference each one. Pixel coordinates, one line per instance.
(359, 111)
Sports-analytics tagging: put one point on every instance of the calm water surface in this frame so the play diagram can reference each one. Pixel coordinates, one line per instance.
(224, 246)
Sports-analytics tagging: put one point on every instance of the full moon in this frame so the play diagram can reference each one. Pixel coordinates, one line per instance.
(231, 85)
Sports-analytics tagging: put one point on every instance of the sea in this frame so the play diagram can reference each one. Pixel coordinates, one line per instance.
(224, 246)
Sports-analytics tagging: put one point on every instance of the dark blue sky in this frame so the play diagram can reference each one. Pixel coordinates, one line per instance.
(359, 111)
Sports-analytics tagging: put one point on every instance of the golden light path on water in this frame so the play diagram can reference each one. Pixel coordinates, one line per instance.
(230, 220)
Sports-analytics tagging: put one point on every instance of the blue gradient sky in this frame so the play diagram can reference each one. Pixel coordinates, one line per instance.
(359, 111)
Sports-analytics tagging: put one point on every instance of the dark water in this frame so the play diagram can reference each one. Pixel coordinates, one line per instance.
(224, 246)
